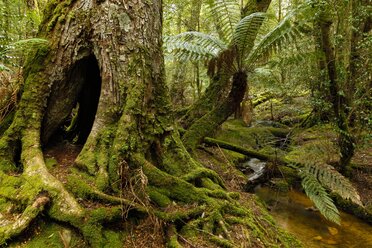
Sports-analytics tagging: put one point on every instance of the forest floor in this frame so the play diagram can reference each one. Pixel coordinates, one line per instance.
(362, 175)
(148, 232)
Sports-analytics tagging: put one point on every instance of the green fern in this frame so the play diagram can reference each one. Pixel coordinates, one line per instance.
(287, 31)
(194, 46)
(316, 178)
(319, 196)
(21, 47)
(226, 14)
(241, 36)
(246, 32)
(333, 180)
(18, 49)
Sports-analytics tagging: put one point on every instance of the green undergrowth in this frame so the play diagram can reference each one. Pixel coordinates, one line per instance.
(267, 140)
(5, 123)
(317, 143)
(290, 111)
(45, 233)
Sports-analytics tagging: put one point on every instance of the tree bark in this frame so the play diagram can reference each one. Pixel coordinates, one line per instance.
(339, 103)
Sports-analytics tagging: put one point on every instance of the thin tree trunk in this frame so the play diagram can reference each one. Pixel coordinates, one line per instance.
(345, 140)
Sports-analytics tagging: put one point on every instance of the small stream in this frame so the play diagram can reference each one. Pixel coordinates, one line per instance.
(291, 211)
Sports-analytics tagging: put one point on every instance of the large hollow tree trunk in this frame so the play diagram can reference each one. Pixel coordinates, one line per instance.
(105, 59)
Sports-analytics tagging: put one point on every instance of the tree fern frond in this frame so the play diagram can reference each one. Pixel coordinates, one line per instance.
(4, 68)
(293, 59)
(319, 196)
(285, 32)
(226, 14)
(22, 47)
(333, 180)
(194, 46)
(246, 32)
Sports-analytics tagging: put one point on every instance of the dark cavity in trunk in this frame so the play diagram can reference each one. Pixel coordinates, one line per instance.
(73, 104)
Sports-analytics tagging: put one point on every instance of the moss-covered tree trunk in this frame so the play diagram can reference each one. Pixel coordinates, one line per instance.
(223, 96)
(104, 64)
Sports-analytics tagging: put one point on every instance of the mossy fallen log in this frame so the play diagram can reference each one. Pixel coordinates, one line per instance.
(357, 210)
(245, 151)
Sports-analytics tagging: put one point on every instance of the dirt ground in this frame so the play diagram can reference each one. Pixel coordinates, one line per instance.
(362, 175)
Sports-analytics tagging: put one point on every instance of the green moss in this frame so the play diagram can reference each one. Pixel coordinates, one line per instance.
(233, 131)
(173, 242)
(79, 187)
(357, 210)
(172, 187)
(158, 198)
(5, 123)
(50, 162)
(280, 184)
(222, 242)
(49, 234)
(113, 239)
(55, 12)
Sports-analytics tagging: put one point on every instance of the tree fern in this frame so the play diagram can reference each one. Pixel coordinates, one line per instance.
(316, 178)
(226, 14)
(319, 196)
(288, 30)
(333, 180)
(246, 31)
(194, 46)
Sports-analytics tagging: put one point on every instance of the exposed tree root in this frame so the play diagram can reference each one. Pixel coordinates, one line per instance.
(195, 204)
(22, 222)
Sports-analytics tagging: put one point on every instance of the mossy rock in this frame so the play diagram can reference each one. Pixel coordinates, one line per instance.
(233, 131)
(280, 184)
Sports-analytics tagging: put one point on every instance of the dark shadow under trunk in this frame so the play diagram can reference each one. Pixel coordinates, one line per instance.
(73, 103)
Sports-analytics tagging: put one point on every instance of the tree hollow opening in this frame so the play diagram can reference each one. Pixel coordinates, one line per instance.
(73, 104)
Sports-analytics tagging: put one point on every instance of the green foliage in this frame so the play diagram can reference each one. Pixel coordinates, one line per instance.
(333, 180)
(194, 46)
(226, 13)
(12, 52)
(236, 34)
(316, 192)
(317, 178)
(286, 32)
(246, 31)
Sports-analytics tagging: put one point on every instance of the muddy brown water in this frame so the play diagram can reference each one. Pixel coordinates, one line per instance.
(290, 212)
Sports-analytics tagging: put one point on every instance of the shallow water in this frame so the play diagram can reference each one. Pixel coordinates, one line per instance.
(289, 211)
(257, 166)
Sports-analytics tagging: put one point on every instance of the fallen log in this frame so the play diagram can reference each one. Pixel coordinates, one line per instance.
(245, 151)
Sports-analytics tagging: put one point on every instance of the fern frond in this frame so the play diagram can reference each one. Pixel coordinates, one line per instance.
(226, 13)
(287, 31)
(194, 46)
(293, 59)
(22, 47)
(246, 32)
(4, 68)
(333, 180)
(319, 196)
